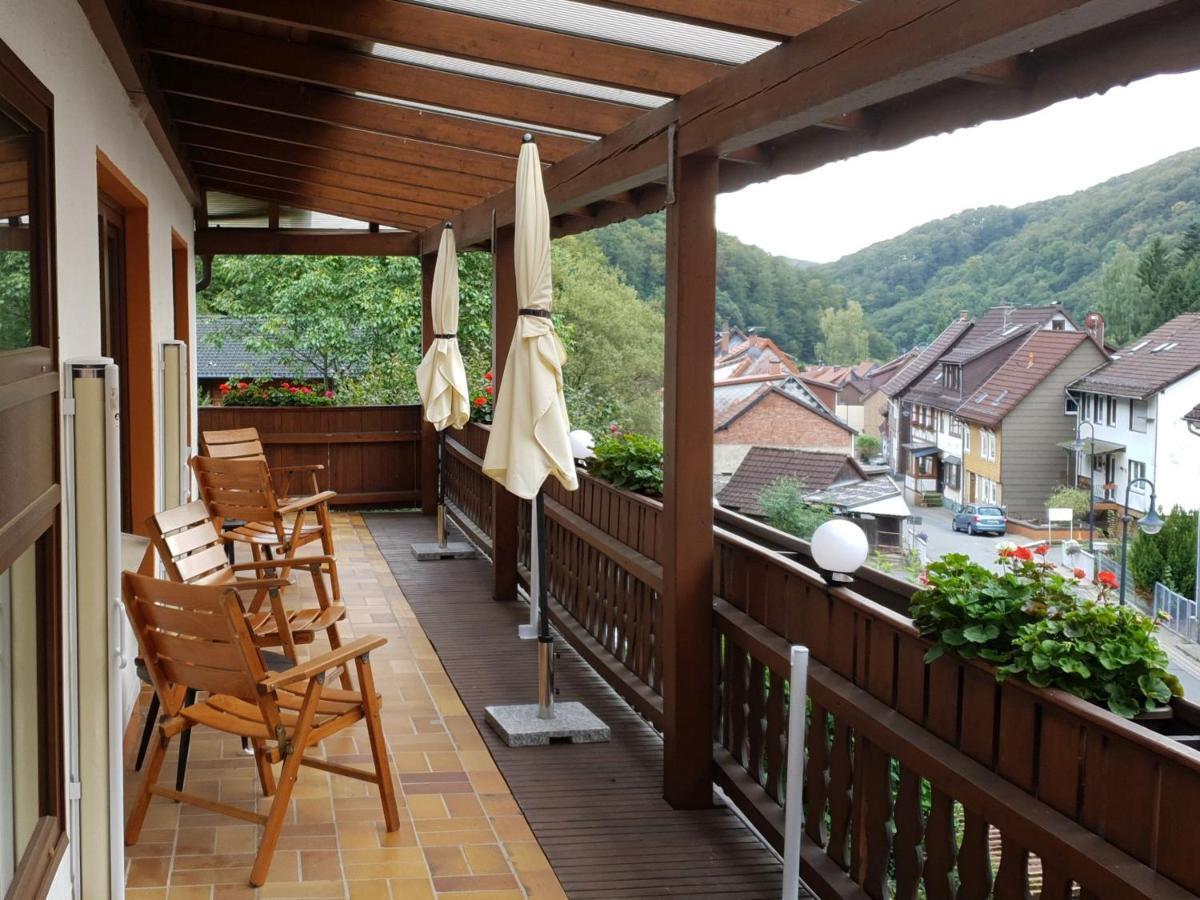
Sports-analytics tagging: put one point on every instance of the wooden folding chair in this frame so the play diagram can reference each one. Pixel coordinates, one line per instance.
(242, 489)
(196, 637)
(244, 443)
(192, 551)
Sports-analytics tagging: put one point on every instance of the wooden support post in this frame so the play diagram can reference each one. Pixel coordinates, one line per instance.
(504, 323)
(687, 496)
(428, 434)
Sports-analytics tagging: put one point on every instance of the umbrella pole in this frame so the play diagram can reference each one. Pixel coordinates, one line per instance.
(441, 489)
(545, 641)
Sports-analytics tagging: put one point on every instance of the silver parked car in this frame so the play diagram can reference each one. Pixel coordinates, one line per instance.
(974, 519)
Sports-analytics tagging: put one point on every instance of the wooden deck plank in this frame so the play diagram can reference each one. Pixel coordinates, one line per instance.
(596, 809)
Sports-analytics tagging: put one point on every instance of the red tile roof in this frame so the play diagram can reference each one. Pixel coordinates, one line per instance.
(1037, 356)
(763, 466)
(1151, 363)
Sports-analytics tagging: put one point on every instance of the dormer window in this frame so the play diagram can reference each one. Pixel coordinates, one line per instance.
(952, 375)
(1058, 325)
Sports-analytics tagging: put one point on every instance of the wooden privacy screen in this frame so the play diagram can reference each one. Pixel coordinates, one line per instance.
(371, 454)
(920, 780)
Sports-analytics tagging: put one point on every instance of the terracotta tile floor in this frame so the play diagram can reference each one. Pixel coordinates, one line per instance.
(462, 835)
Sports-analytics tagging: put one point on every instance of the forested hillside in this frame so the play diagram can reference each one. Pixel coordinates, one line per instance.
(1082, 250)
(1054, 250)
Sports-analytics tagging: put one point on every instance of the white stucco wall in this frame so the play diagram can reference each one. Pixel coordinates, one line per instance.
(93, 112)
(1177, 457)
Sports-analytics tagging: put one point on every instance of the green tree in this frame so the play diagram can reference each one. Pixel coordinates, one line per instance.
(15, 289)
(845, 336)
(1169, 556)
(866, 446)
(786, 509)
(614, 343)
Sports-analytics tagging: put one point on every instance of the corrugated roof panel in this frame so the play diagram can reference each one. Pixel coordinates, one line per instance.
(617, 26)
(515, 76)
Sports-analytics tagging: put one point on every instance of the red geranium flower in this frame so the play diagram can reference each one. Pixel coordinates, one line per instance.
(225, 389)
(329, 395)
(1005, 553)
(284, 384)
(487, 376)
(242, 385)
(1106, 579)
(1080, 574)
(1042, 549)
(1022, 553)
(489, 390)
(306, 390)
(479, 401)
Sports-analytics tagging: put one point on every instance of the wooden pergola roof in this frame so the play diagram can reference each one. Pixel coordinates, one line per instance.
(404, 114)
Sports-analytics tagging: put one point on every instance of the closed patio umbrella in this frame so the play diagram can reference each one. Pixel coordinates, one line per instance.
(530, 437)
(441, 378)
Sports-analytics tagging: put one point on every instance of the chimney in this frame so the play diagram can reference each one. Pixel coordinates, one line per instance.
(776, 365)
(725, 338)
(1094, 323)
(963, 316)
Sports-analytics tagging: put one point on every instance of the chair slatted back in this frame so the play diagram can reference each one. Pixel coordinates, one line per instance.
(238, 489)
(233, 443)
(188, 544)
(193, 636)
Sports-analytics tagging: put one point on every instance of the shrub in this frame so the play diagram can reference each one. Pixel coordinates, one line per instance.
(786, 509)
(1169, 556)
(632, 462)
(1073, 498)
(1030, 622)
(867, 447)
(267, 393)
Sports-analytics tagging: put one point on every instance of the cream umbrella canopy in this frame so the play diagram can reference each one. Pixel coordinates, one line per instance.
(441, 377)
(530, 437)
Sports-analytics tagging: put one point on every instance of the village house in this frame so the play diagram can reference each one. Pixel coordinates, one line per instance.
(852, 392)
(1137, 414)
(950, 459)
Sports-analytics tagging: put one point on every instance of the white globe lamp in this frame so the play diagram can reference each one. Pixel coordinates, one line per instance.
(582, 444)
(839, 547)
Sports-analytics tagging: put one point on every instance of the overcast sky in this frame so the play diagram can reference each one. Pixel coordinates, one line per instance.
(845, 206)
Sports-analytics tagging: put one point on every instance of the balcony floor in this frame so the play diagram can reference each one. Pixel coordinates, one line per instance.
(462, 833)
(596, 809)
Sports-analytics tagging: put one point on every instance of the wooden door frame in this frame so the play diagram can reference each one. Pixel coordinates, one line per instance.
(181, 282)
(140, 377)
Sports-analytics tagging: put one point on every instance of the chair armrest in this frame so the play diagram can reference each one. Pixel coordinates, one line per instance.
(307, 502)
(313, 467)
(259, 584)
(323, 663)
(297, 562)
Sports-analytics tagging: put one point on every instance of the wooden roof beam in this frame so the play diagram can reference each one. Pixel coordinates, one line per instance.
(774, 19)
(192, 79)
(304, 241)
(347, 70)
(189, 110)
(303, 199)
(397, 206)
(487, 40)
(330, 177)
(453, 183)
(870, 54)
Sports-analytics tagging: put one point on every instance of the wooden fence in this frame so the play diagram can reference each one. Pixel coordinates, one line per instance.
(371, 454)
(920, 780)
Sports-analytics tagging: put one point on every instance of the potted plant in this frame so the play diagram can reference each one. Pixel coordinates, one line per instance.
(1031, 622)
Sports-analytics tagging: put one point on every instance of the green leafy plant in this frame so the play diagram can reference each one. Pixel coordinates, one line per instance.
(483, 404)
(629, 461)
(267, 393)
(1103, 653)
(784, 505)
(1168, 556)
(1029, 621)
(866, 446)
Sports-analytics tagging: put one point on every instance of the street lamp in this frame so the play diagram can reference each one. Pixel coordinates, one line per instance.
(1150, 523)
(1091, 483)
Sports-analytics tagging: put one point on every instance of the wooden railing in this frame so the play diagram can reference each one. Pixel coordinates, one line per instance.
(468, 490)
(371, 454)
(921, 780)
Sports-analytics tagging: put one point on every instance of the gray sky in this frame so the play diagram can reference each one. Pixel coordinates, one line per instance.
(845, 206)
